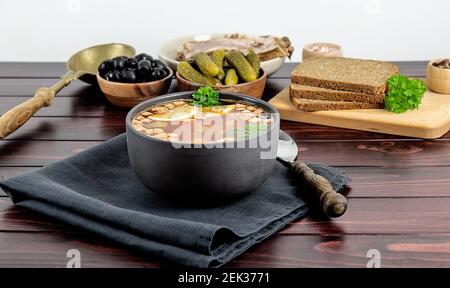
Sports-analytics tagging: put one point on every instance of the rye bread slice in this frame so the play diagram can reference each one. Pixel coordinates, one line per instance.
(310, 92)
(310, 105)
(347, 74)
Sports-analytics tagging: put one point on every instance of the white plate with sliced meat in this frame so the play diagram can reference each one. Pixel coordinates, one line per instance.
(272, 50)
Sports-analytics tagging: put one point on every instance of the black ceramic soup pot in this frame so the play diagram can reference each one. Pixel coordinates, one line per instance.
(201, 174)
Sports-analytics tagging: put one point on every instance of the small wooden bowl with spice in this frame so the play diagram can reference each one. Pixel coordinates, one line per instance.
(321, 49)
(438, 75)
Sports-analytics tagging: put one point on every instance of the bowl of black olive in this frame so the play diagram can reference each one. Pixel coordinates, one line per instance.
(127, 81)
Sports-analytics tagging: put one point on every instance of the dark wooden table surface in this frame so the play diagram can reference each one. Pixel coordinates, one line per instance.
(399, 200)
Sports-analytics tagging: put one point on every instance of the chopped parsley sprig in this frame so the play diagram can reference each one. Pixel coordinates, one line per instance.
(403, 93)
(206, 96)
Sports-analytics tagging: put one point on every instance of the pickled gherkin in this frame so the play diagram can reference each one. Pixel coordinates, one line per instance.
(231, 77)
(206, 65)
(237, 60)
(188, 72)
(218, 56)
(253, 59)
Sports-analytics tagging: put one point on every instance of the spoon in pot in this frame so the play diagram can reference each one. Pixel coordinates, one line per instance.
(332, 203)
(82, 65)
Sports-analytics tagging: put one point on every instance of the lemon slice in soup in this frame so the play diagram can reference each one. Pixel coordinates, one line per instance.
(177, 113)
(220, 109)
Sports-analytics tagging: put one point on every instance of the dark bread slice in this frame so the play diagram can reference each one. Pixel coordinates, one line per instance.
(347, 74)
(310, 105)
(310, 92)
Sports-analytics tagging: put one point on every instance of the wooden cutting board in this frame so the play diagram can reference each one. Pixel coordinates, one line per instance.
(431, 120)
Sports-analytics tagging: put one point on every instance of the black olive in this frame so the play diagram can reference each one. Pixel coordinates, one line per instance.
(159, 63)
(158, 73)
(131, 63)
(129, 76)
(143, 56)
(118, 63)
(166, 71)
(144, 75)
(108, 76)
(163, 72)
(116, 76)
(144, 65)
(105, 67)
(145, 70)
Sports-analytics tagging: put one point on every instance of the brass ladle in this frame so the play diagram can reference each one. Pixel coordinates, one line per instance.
(82, 65)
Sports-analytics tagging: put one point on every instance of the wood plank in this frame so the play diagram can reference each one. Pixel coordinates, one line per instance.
(69, 107)
(339, 153)
(377, 153)
(7, 172)
(387, 216)
(39, 153)
(26, 87)
(412, 68)
(87, 102)
(91, 103)
(321, 242)
(57, 69)
(312, 132)
(349, 251)
(19, 219)
(409, 68)
(49, 250)
(32, 69)
(99, 129)
(273, 87)
(285, 70)
(70, 128)
(88, 98)
(367, 182)
(6, 204)
(369, 216)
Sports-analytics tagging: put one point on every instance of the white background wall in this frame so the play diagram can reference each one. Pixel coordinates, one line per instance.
(51, 30)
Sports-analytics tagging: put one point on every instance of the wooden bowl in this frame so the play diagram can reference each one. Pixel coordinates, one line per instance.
(334, 50)
(127, 95)
(254, 88)
(438, 79)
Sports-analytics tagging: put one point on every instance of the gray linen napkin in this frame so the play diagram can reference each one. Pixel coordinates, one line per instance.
(97, 191)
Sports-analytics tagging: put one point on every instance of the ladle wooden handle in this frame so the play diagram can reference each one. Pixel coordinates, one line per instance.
(333, 204)
(17, 116)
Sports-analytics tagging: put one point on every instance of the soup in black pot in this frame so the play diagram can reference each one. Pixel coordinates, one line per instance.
(183, 121)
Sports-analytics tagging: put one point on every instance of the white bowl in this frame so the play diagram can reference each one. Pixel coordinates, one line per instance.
(168, 52)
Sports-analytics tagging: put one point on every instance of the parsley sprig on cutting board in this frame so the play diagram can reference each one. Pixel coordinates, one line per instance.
(403, 93)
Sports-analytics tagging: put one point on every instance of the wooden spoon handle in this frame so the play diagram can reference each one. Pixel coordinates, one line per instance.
(333, 204)
(17, 116)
